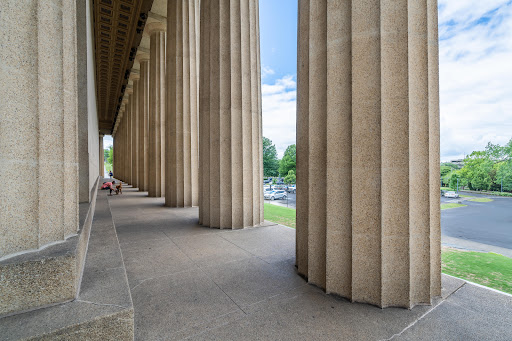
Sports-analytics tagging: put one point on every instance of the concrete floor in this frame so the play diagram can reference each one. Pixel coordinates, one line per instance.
(192, 282)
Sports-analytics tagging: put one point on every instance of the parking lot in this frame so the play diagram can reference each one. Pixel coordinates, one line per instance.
(289, 202)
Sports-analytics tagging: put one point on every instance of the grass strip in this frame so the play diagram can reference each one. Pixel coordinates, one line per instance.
(481, 200)
(451, 205)
(488, 269)
(281, 215)
(466, 196)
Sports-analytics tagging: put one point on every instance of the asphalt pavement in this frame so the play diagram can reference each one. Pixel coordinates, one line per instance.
(480, 226)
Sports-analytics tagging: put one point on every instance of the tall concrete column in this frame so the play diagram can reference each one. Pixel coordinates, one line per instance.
(38, 120)
(129, 134)
(143, 94)
(102, 158)
(182, 143)
(156, 109)
(134, 102)
(231, 193)
(122, 152)
(367, 115)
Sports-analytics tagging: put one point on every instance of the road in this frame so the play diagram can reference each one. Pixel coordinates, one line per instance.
(485, 226)
(480, 226)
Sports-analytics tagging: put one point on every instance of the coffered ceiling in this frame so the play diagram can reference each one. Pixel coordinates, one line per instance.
(118, 28)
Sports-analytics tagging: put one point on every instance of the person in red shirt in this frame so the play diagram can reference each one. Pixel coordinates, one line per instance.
(110, 186)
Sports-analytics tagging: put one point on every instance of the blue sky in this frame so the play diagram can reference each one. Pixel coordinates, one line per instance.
(475, 73)
(278, 45)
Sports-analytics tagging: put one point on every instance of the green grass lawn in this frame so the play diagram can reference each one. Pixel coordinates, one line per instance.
(466, 196)
(446, 188)
(451, 205)
(281, 215)
(489, 269)
(481, 200)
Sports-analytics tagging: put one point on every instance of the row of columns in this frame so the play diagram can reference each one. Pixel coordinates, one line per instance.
(367, 114)
(157, 130)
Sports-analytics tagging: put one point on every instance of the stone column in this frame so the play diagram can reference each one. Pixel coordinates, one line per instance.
(102, 158)
(367, 115)
(38, 120)
(156, 109)
(122, 152)
(230, 115)
(182, 144)
(134, 102)
(129, 134)
(143, 94)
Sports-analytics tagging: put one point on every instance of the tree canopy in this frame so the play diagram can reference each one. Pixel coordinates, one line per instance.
(289, 161)
(270, 160)
(109, 155)
(484, 170)
(290, 178)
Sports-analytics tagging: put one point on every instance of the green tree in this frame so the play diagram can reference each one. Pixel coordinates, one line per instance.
(477, 170)
(270, 160)
(110, 157)
(452, 180)
(290, 178)
(289, 161)
(445, 170)
(504, 175)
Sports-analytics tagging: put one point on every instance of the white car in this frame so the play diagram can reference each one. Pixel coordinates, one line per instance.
(273, 195)
(451, 194)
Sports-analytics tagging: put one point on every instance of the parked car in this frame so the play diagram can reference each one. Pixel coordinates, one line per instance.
(291, 189)
(273, 195)
(451, 194)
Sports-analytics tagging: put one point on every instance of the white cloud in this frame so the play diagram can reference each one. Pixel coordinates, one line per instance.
(266, 71)
(475, 75)
(279, 108)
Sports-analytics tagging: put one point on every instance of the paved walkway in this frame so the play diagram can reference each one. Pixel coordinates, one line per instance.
(192, 282)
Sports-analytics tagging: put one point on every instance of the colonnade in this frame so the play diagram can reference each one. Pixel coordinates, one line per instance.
(367, 113)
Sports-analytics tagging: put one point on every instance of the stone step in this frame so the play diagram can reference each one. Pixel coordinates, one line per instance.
(103, 309)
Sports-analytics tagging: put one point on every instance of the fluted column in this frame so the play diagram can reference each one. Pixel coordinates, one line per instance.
(101, 161)
(143, 94)
(230, 115)
(122, 114)
(368, 114)
(156, 109)
(129, 134)
(38, 126)
(182, 144)
(134, 102)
